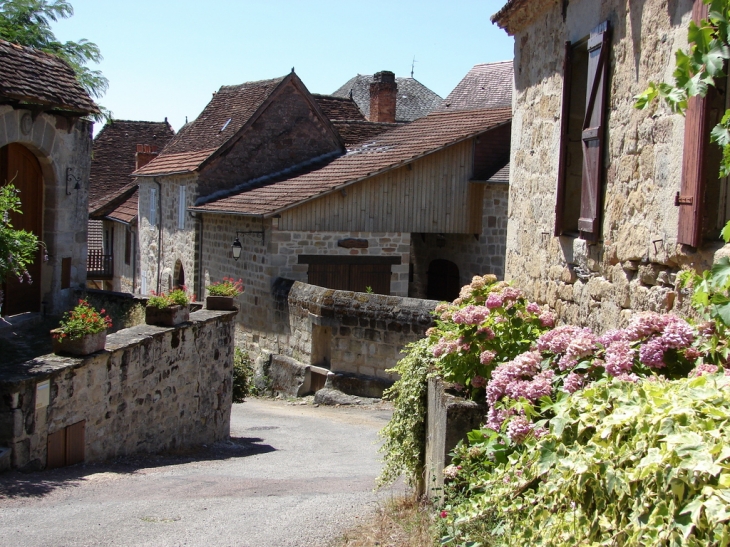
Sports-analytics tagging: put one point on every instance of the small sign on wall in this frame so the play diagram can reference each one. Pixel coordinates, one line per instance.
(42, 394)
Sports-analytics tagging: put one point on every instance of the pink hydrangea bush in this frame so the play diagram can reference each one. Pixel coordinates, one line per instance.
(489, 323)
(568, 358)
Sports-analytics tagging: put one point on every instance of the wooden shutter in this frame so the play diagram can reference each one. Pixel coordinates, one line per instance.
(696, 137)
(564, 124)
(594, 133)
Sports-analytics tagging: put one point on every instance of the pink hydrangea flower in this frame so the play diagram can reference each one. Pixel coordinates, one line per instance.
(573, 382)
(518, 429)
(547, 319)
(486, 331)
(471, 315)
(532, 307)
(496, 417)
(651, 353)
(478, 381)
(487, 357)
(619, 358)
(704, 368)
(494, 300)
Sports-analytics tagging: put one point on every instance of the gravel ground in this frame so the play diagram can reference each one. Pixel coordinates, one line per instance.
(291, 475)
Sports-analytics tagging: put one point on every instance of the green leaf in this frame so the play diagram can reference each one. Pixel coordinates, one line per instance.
(726, 233)
(720, 135)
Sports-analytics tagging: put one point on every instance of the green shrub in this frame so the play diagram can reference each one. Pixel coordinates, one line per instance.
(243, 385)
(405, 434)
(623, 464)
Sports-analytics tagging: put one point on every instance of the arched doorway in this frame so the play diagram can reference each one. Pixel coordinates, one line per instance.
(19, 166)
(443, 280)
(179, 278)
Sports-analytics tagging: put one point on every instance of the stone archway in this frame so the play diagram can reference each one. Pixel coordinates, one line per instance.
(443, 280)
(19, 166)
(178, 280)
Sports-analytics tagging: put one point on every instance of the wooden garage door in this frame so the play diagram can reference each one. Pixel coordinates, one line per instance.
(351, 277)
(20, 167)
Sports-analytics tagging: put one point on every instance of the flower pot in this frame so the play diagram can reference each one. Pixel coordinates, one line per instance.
(224, 303)
(166, 317)
(85, 345)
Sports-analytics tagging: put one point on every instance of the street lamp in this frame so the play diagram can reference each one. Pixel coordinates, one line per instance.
(236, 248)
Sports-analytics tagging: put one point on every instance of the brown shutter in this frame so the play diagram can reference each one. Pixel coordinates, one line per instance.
(593, 133)
(564, 123)
(696, 136)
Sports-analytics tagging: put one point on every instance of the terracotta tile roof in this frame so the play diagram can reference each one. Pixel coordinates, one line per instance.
(501, 176)
(115, 148)
(338, 108)
(95, 234)
(224, 116)
(126, 211)
(414, 100)
(354, 132)
(487, 85)
(390, 150)
(168, 164)
(34, 77)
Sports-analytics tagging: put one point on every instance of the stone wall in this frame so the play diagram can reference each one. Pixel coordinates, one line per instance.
(263, 318)
(472, 255)
(634, 265)
(126, 310)
(286, 134)
(152, 389)
(353, 332)
(178, 244)
(62, 148)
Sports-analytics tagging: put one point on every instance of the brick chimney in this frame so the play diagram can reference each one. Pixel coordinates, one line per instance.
(383, 91)
(145, 154)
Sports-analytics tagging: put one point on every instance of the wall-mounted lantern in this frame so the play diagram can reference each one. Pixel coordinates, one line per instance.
(236, 246)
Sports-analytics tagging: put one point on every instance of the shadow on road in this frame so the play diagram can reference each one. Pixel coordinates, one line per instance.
(16, 484)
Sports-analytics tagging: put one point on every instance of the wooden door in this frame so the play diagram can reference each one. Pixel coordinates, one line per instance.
(20, 167)
(351, 277)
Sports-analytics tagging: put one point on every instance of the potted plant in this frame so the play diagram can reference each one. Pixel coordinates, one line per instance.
(169, 309)
(82, 331)
(221, 294)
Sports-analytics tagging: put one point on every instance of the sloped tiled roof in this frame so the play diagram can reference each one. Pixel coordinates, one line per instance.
(487, 85)
(126, 211)
(115, 148)
(354, 132)
(515, 13)
(414, 100)
(501, 176)
(338, 108)
(390, 150)
(224, 116)
(31, 76)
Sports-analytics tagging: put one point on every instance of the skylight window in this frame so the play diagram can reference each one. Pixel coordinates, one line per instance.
(225, 125)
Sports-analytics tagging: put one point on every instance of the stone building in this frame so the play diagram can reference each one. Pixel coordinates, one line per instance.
(45, 150)
(607, 202)
(121, 147)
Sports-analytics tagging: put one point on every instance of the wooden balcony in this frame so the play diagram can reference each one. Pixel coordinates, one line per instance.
(99, 265)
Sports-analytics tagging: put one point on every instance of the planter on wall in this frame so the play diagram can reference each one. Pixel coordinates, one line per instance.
(86, 345)
(166, 317)
(222, 303)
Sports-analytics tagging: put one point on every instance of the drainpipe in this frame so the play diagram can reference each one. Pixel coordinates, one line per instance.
(199, 266)
(159, 237)
(134, 259)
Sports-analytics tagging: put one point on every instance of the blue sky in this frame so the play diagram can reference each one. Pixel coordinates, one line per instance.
(164, 58)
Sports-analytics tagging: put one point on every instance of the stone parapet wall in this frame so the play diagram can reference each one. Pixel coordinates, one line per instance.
(634, 265)
(353, 332)
(152, 389)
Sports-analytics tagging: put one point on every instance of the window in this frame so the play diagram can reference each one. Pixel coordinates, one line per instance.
(582, 129)
(703, 200)
(181, 208)
(127, 246)
(153, 206)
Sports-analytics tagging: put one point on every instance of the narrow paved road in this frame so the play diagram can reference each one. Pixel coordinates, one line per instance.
(291, 476)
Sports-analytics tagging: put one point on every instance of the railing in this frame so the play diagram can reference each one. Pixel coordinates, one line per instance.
(99, 265)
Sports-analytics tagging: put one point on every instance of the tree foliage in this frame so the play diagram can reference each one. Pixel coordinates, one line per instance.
(17, 247)
(28, 23)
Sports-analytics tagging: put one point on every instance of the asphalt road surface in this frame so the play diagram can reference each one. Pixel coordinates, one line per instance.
(291, 475)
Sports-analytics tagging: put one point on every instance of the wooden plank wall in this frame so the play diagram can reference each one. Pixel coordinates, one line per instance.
(434, 196)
